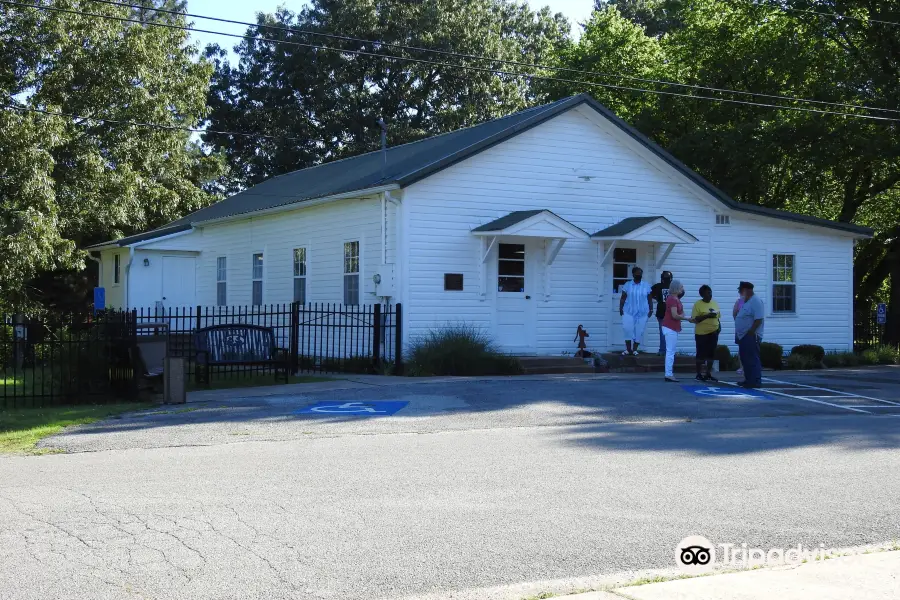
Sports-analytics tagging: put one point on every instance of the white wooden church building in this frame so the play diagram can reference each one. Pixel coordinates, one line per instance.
(525, 226)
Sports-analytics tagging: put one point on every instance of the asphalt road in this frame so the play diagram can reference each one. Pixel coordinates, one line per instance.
(472, 485)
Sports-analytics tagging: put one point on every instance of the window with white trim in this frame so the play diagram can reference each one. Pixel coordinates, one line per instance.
(117, 265)
(221, 278)
(257, 279)
(351, 273)
(300, 275)
(784, 284)
(723, 220)
(624, 259)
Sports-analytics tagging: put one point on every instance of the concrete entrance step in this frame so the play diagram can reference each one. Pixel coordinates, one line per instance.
(547, 365)
(646, 363)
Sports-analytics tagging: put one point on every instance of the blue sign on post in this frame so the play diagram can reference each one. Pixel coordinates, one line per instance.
(881, 314)
(357, 409)
(723, 391)
(99, 298)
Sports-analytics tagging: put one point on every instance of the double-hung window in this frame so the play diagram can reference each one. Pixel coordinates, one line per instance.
(784, 284)
(257, 279)
(221, 277)
(300, 275)
(351, 273)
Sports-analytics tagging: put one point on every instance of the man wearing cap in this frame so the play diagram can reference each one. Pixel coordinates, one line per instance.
(748, 331)
(659, 292)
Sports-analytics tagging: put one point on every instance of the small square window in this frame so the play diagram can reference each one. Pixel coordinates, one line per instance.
(723, 220)
(453, 282)
(625, 255)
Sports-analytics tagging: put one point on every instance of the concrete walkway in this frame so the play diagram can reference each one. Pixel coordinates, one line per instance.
(860, 577)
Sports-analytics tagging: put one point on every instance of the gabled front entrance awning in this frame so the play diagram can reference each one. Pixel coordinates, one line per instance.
(531, 223)
(536, 224)
(541, 224)
(654, 230)
(645, 229)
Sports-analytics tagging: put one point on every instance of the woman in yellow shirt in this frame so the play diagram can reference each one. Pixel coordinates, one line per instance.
(706, 315)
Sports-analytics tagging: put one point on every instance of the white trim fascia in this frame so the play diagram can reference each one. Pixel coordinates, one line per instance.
(160, 239)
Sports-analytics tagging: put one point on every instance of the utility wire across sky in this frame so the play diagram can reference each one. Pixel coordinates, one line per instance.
(296, 30)
(528, 76)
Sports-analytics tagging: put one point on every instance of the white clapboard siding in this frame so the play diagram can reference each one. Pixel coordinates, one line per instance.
(321, 229)
(823, 269)
(589, 175)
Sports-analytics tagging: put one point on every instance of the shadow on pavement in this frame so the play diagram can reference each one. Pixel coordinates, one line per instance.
(614, 413)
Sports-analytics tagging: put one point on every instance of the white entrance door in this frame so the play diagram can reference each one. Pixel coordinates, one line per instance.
(179, 282)
(623, 260)
(515, 323)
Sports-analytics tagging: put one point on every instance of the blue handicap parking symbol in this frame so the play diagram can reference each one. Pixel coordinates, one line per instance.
(359, 409)
(723, 391)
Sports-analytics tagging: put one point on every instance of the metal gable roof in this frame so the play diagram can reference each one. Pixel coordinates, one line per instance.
(508, 220)
(412, 162)
(625, 226)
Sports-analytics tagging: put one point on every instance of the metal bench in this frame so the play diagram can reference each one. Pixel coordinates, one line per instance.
(238, 345)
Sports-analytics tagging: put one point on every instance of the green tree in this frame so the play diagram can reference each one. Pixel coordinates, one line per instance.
(330, 102)
(838, 167)
(66, 183)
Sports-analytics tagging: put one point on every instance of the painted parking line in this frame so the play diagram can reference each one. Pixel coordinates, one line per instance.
(823, 389)
(777, 393)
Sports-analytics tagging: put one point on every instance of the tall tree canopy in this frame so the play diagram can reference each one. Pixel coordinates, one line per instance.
(69, 182)
(330, 102)
(838, 167)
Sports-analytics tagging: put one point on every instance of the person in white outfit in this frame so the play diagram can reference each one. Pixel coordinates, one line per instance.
(671, 325)
(635, 306)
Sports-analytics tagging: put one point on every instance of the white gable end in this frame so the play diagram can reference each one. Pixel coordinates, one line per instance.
(593, 175)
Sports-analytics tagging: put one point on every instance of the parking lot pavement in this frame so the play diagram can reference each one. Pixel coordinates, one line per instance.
(579, 403)
(452, 489)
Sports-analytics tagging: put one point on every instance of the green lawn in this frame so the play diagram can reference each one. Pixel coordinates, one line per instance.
(222, 381)
(22, 428)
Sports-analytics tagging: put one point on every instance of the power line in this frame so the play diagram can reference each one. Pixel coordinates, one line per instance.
(498, 60)
(451, 65)
(148, 125)
(815, 12)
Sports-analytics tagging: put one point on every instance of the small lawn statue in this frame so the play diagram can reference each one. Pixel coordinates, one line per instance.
(580, 334)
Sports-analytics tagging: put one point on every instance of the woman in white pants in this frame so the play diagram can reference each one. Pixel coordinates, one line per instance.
(671, 325)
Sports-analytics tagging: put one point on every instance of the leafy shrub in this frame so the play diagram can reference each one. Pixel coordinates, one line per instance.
(841, 359)
(868, 357)
(887, 355)
(803, 362)
(458, 350)
(817, 353)
(727, 361)
(771, 355)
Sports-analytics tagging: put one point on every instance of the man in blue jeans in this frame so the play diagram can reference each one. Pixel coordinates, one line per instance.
(748, 330)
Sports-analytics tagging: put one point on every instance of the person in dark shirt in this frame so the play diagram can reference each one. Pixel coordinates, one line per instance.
(659, 292)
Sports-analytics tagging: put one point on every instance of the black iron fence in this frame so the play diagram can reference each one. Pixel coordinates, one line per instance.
(91, 358)
(319, 338)
(867, 332)
(68, 359)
